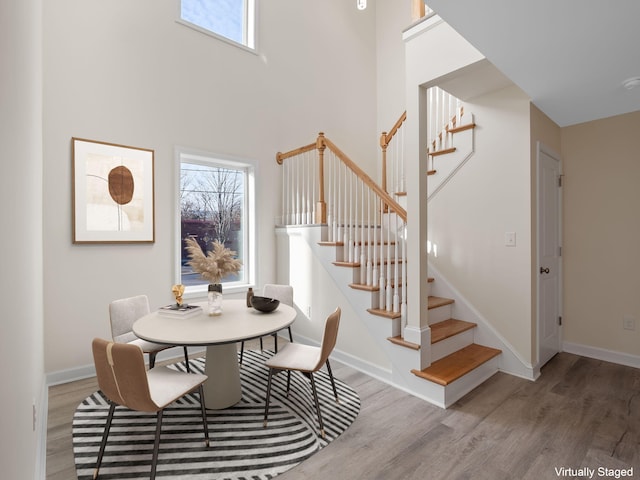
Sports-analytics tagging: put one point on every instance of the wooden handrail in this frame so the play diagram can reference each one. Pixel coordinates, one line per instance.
(394, 129)
(395, 206)
(320, 144)
(281, 157)
(385, 139)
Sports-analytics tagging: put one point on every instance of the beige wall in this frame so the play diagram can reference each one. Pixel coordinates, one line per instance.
(602, 232)
(126, 72)
(21, 330)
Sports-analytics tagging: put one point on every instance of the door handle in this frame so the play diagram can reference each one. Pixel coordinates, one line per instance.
(544, 270)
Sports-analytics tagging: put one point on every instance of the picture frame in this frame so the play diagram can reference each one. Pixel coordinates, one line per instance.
(113, 193)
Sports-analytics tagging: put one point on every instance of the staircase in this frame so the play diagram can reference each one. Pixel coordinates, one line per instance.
(458, 362)
(360, 240)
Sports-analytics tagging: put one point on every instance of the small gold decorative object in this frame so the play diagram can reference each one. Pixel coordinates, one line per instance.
(177, 291)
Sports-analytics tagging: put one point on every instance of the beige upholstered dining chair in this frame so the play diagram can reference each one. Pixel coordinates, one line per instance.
(306, 359)
(284, 293)
(122, 314)
(124, 380)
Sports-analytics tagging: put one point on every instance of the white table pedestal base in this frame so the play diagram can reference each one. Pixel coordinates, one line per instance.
(222, 389)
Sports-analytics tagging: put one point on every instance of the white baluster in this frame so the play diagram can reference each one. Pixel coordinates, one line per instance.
(396, 276)
(369, 239)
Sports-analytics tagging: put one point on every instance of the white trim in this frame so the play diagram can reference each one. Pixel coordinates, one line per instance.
(424, 24)
(42, 417)
(249, 240)
(597, 353)
(88, 371)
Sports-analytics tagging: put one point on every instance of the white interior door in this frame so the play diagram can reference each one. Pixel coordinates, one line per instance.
(549, 254)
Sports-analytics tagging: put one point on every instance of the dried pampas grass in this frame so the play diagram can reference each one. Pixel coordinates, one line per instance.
(214, 266)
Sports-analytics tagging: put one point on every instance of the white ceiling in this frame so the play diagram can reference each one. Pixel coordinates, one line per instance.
(569, 56)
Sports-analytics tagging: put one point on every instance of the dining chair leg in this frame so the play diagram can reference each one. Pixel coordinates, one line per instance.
(103, 444)
(204, 416)
(290, 335)
(241, 351)
(288, 381)
(266, 405)
(186, 359)
(315, 398)
(152, 360)
(261, 346)
(275, 342)
(156, 446)
(333, 383)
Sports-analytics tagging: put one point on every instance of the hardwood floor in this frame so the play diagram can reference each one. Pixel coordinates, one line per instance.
(581, 413)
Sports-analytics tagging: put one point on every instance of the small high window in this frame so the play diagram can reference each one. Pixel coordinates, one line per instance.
(231, 20)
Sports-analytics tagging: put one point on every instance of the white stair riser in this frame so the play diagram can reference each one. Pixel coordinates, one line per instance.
(439, 314)
(450, 345)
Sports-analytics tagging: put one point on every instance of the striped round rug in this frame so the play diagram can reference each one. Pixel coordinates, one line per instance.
(241, 447)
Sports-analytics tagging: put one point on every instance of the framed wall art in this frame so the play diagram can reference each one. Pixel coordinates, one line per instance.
(113, 193)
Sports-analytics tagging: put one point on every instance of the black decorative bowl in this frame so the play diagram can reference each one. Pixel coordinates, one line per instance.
(264, 304)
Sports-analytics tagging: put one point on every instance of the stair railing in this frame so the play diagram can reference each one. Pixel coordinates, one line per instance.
(393, 160)
(322, 185)
(443, 114)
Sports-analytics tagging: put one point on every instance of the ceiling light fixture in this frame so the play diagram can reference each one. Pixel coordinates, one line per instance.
(361, 4)
(631, 83)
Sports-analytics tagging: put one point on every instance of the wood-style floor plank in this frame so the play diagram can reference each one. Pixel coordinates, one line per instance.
(580, 413)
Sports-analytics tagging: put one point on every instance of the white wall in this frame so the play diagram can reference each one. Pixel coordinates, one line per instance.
(126, 72)
(21, 327)
(468, 218)
(491, 195)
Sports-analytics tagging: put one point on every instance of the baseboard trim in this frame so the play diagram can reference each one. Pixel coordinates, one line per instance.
(602, 354)
(87, 371)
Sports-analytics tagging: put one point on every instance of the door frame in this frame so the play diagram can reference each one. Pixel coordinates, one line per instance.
(542, 148)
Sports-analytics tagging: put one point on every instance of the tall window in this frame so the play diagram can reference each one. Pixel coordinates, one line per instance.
(216, 205)
(230, 19)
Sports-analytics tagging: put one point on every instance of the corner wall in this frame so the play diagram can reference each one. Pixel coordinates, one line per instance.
(21, 326)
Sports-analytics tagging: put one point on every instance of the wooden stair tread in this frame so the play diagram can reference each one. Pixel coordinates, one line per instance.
(444, 151)
(383, 313)
(448, 328)
(435, 302)
(461, 128)
(452, 367)
(398, 340)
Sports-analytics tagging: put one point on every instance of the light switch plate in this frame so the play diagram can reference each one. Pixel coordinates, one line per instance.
(510, 239)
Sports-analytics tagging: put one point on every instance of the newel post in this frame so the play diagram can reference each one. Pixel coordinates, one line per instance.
(383, 145)
(321, 206)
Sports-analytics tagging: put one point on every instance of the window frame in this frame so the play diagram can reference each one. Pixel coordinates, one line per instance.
(249, 221)
(249, 26)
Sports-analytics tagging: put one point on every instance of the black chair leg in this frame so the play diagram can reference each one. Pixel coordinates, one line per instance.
(204, 416)
(290, 335)
(186, 359)
(266, 406)
(333, 383)
(152, 360)
(241, 351)
(315, 398)
(103, 444)
(275, 342)
(156, 446)
(261, 346)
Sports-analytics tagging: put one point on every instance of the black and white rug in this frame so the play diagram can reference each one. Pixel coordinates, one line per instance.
(240, 448)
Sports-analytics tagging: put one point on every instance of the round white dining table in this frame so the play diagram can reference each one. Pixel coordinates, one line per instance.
(219, 334)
